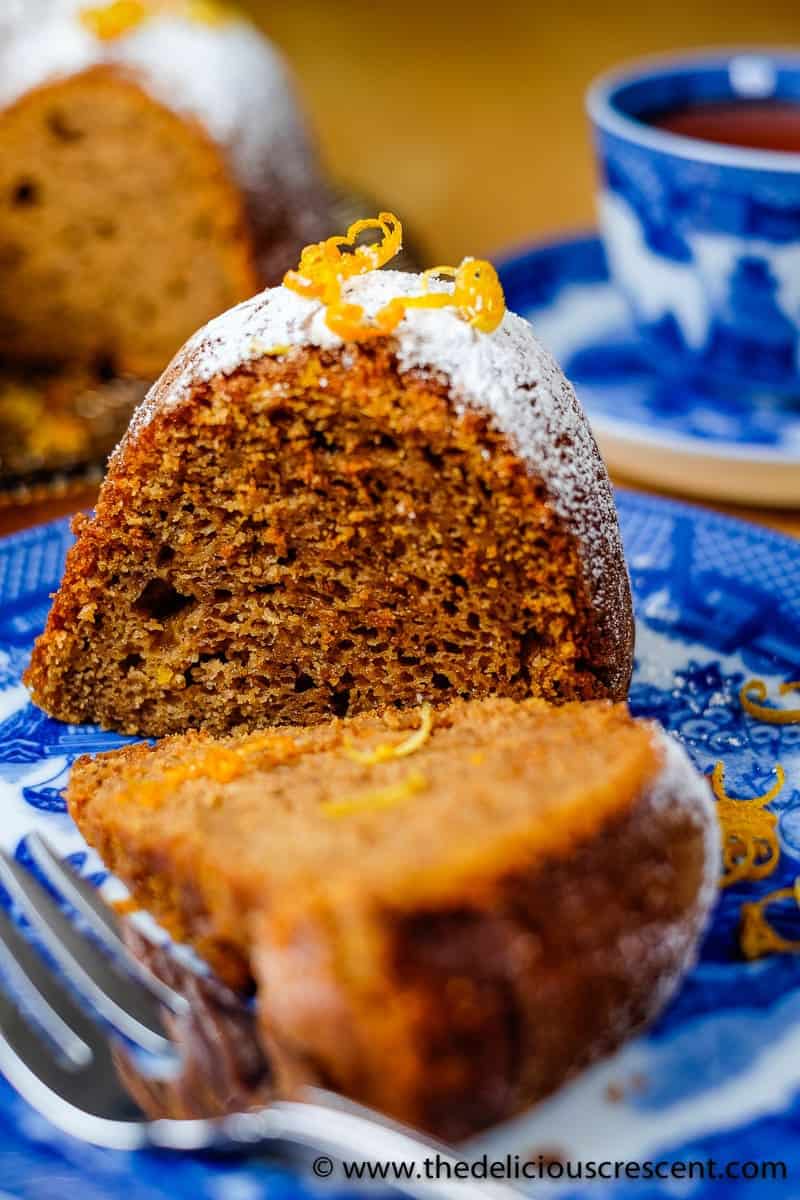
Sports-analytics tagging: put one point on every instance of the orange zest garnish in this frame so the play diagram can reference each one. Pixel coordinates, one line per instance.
(119, 17)
(219, 764)
(750, 847)
(756, 936)
(114, 20)
(477, 294)
(387, 751)
(370, 801)
(323, 267)
(773, 716)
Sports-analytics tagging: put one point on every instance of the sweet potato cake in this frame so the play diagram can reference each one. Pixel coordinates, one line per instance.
(154, 170)
(447, 913)
(314, 515)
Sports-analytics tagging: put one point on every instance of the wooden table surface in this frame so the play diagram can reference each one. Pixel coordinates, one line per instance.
(467, 118)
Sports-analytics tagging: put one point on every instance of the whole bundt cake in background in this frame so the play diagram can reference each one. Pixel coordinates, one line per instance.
(486, 898)
(154, 170)
(361, 488)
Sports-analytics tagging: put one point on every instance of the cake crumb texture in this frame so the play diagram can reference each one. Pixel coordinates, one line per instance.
(322, 532)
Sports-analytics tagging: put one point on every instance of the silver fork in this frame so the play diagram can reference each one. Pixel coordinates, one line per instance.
(57, 1054)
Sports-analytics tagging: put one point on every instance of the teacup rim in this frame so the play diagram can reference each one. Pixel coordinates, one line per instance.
(606, 116)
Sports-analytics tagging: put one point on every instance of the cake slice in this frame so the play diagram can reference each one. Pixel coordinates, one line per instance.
(154, 170)
(446, 914)
(316, 513)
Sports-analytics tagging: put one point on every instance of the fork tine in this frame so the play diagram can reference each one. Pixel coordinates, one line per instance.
(122, 1001)
(62, 1098)
(83, 1095)
(86, 1099)
(79, 1092)
(99, 918)
(83, 897)
(50, 1007)
(33, 1003)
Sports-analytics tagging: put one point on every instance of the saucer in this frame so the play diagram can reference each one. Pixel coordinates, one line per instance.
(651, 428)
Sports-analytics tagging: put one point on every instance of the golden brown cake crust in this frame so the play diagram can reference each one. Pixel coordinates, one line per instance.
(321, 533)
(489, 934)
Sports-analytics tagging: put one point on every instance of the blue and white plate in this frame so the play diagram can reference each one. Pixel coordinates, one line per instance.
(662, 431)
(717, 1078)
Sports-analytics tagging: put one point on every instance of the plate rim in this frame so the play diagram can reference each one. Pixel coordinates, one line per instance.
(521, 254)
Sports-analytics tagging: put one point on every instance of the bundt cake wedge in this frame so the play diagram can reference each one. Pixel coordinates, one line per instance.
(447, 914)
(154, 170)
(328, 505)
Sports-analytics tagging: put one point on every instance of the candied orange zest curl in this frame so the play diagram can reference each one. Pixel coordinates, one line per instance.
(110, 21)
(323, 266)
(750, 848)
(373, 255)
(117, 18)
(756, 936)
(477, 293)
(718, 787)
(773, 716)
(386, 751)
(348, 321)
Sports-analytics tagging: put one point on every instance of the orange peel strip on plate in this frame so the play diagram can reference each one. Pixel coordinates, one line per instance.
(761, 712)
(750, 848)
(756, 936)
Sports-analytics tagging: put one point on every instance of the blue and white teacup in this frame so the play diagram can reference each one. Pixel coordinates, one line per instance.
(703, 238)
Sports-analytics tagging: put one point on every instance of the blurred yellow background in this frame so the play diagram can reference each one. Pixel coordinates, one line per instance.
(467, 118)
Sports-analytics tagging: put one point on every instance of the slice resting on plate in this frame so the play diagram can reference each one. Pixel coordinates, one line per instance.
(446, 913)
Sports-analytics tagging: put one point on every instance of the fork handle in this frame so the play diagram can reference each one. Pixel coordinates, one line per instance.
(329, 1127)
(346, 1133)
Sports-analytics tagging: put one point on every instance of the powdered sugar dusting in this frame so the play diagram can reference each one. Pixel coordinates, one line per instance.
(680, 787)
(226, 75)
(507, 374)
(677, 791)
